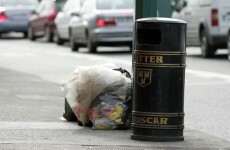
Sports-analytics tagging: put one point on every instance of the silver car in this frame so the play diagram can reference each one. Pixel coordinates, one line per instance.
(14, 15)
(102, 23)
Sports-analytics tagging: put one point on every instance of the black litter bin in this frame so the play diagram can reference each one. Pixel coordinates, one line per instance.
(158, 83)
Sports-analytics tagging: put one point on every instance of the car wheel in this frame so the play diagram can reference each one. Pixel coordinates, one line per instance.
(25, 34)
(59, 41)
(228, 46)
(92, 47)
(48, 34)
(131, 47)
(73, 45)
(30, 34)
(207, 50)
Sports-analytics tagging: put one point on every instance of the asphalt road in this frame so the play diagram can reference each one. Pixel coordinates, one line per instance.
(207, 98)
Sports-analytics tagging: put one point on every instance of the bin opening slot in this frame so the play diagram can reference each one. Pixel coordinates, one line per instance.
(149, 36)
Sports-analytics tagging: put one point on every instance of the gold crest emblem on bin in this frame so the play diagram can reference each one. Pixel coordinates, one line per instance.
(144, 77)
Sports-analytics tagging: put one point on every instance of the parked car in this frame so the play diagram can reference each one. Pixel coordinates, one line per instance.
(208, 22)
(228, 43)
(14, 15)
(63, 18)
(41, 21)
(102, 23)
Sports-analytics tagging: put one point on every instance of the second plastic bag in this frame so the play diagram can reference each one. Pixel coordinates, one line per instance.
(112, 109)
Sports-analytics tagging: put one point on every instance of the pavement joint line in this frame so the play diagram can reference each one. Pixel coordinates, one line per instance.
(38, 97)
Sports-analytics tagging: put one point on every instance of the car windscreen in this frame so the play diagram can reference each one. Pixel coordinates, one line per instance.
(114, 4)
(60, 4)
(18, 2)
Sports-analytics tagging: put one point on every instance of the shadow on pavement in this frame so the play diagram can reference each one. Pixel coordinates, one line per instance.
(12, 37)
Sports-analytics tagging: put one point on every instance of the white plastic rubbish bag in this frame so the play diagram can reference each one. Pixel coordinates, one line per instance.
(86, 83)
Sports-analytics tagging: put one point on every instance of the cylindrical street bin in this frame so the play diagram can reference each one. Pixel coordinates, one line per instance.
(158, 80)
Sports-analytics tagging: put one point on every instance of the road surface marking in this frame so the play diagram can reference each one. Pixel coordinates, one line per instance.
(208, 75)
(127, 63)
(198, 73)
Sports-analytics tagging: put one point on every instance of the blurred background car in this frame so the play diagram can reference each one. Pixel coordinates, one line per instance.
(14, 15)
(228, 43)
(102, 23)
(62, 20)
(41, 21)
(208, 22)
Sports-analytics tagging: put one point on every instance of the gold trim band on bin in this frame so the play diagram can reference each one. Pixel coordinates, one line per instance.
(161, 52)
(160, 59)
(160, 65)
(157, 120)
(172, 127)
(158, 114)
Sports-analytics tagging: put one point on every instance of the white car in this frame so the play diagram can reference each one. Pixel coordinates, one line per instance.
(229, 43)
(208, 23)
(63, 18)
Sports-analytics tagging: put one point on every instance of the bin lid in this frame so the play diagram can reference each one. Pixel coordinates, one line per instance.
(161, 20)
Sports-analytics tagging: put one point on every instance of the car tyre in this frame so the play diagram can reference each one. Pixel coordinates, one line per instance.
(207, 50)
(92, 46)
(48, 34)
(59, 40)
(25, 34)
(131, 47)
(73, 45)
(30, 34)
(228, 44)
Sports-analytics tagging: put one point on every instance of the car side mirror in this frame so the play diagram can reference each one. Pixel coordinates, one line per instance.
(178, 5)
(59, 9)
(75, 14)
(33, 12)
(185, 3)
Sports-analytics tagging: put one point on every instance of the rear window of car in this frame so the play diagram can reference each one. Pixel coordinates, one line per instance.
(18, 2)
(114, 4)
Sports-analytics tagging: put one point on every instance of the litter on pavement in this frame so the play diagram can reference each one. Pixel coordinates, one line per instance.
(100, 95)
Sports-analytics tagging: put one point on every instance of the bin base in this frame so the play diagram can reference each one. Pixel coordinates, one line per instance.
(157, 138)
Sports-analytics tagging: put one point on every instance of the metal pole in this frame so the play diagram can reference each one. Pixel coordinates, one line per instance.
(143, 8)
(164, 8)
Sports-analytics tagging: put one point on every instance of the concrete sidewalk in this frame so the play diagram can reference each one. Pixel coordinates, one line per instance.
(30, 120)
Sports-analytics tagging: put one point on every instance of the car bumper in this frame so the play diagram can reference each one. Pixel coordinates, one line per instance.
(119, 37)
(13, 26)
(219, 41)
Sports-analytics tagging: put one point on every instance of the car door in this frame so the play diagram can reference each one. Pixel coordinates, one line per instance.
(73, 9)
(188, 12)
(46, 14)
(62, 21)
(42, 18)
(35, 18)
(85, 20)
(192, 15)
(79, 25)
